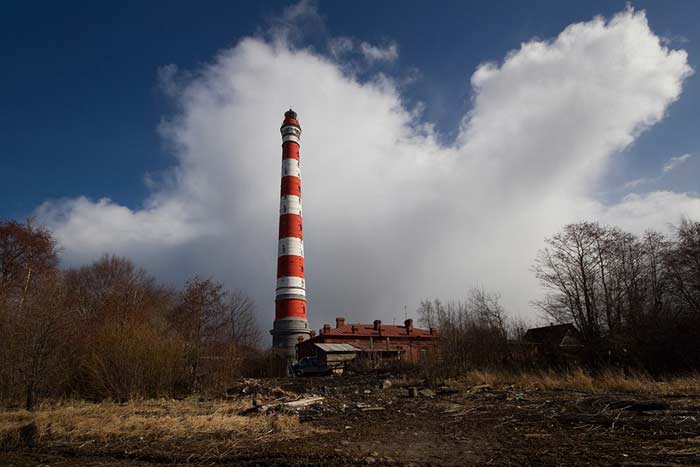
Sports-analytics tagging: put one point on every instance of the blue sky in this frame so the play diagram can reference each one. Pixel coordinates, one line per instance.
(81, 102)
(441, 145)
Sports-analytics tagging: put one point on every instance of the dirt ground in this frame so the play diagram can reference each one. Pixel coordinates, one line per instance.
(360, 422)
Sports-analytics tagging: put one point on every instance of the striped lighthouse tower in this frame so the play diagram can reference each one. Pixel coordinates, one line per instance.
(290, 301)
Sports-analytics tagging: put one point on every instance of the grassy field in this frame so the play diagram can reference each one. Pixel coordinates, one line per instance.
(584, 381)
(168, 421)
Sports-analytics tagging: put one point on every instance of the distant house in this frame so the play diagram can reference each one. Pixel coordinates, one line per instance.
(554, 337)
(374, 341)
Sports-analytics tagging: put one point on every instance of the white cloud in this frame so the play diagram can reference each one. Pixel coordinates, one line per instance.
(658, 209)
(294, 23)
(637, 182)
(675, 161)
(358, 56)
(341, 46)
(373, 53)
(392, 215)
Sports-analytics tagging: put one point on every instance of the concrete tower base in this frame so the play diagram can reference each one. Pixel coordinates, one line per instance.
(285, 336)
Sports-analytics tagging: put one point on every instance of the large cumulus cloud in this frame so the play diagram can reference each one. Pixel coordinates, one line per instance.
(391, 214)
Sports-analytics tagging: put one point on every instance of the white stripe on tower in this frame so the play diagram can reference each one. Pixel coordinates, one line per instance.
(290, 204)
(291, 292)
(290, 168)
(291, 282)
(290, 137)
(290, 246)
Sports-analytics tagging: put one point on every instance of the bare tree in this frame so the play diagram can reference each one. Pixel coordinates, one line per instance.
(473, 332)
(108, 329)
(30, 307)
(683, 262)
(41, 333)
(244, 329)
(202, 319)
(627, 296)
(114, 288)
(428, 313)
(123, 344)
(26, 250)
(572, 269)
(487, 308)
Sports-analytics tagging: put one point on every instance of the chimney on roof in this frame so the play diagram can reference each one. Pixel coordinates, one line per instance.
(326, 328)
(339, 322)
(354, 328)
(377, 325)
(408, 324)
(312, 333)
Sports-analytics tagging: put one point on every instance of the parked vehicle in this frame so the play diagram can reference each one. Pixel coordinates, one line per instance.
(312, 366)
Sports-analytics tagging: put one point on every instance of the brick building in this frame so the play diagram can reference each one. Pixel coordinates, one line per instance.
(375, 341)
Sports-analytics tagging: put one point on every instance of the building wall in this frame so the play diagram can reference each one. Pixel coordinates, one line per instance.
(410, 347)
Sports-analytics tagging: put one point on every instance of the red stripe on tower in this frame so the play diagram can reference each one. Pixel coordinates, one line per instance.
(290, 226)
(290, 301)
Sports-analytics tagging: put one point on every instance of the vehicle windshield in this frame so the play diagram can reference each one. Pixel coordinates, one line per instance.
(307, 361)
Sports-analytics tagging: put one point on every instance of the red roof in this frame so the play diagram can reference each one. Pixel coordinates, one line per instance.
(367, 330)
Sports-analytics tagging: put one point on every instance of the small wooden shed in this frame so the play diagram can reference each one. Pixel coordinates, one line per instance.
(335, 354)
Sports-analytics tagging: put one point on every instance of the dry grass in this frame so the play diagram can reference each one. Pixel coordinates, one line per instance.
(166, 421)
(405, 381)
(582, 380)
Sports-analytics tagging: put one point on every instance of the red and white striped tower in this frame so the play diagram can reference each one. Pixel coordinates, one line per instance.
(290, 301)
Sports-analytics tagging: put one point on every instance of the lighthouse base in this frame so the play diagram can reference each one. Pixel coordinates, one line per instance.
(285, 336)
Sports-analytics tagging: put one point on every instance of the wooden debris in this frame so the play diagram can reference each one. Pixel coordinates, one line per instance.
(277, 405)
